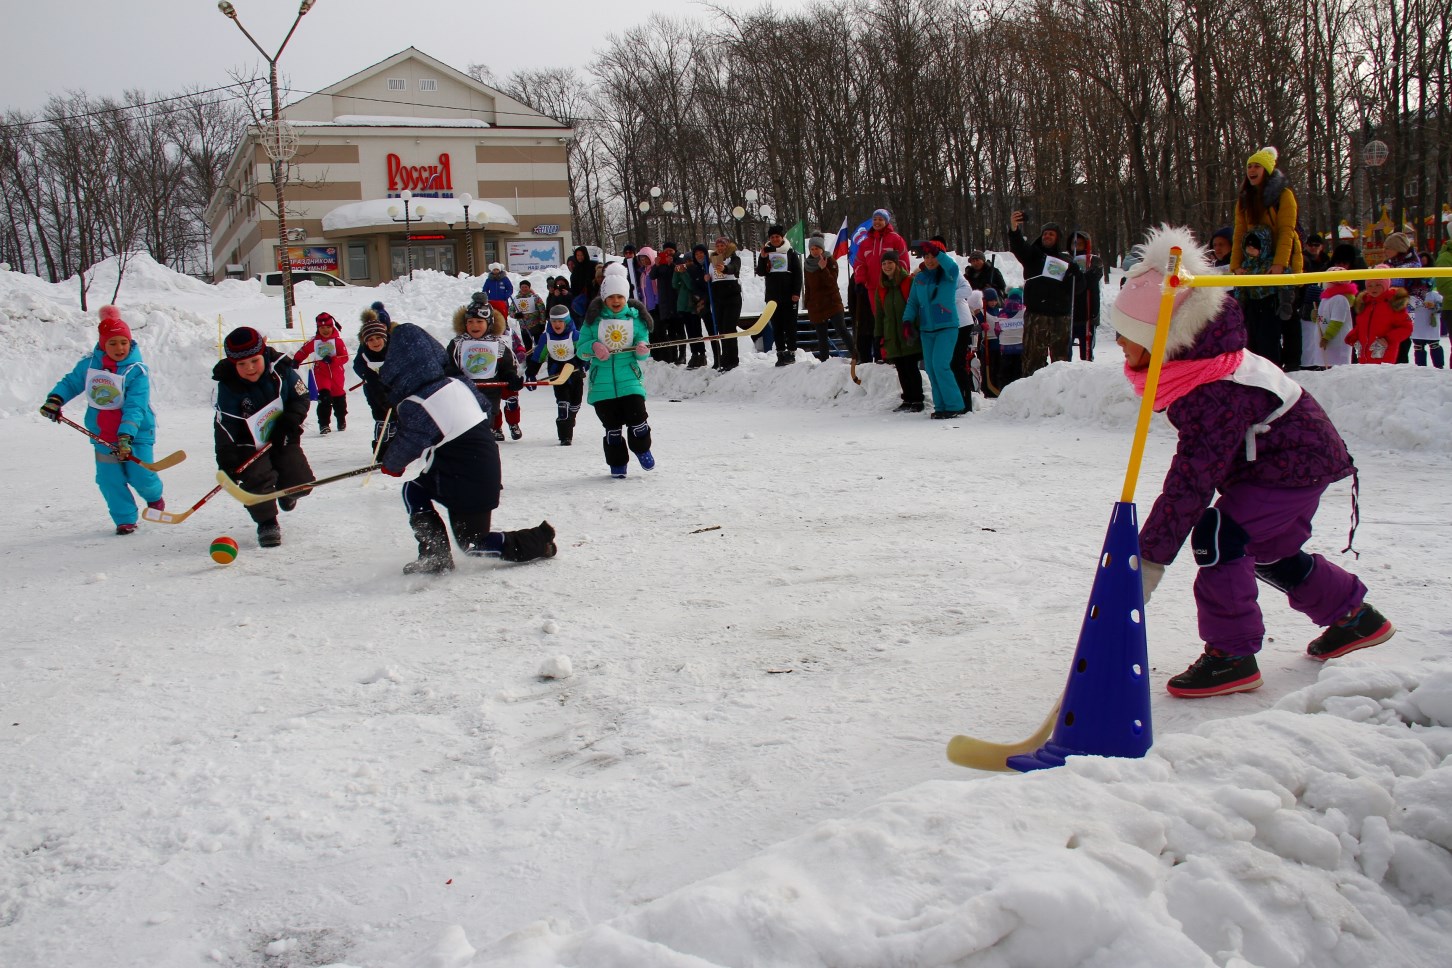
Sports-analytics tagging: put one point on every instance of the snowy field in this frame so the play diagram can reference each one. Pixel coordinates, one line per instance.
(306, 759)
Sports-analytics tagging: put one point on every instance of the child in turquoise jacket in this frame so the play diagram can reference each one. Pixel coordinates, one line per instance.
(616, 390)
(117, 386)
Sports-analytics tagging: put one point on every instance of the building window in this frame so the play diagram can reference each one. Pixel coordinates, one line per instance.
(491, 251)
(357, 261)
(428, 84)
(397, 84)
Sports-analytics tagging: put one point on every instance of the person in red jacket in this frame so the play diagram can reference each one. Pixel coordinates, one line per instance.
(867, 281)
(330, 375)
(1381, 323)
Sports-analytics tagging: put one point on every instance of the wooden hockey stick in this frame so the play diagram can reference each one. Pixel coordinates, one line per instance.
(177, 517)
(559, 379)
(170, 460)
(248, 498)
(752, 330)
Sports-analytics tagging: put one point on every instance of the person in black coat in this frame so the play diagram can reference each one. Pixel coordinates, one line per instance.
(1050, 277)
(983, 275)
(582, 275)
(782, 267)
(1086, 294)
(260, 400)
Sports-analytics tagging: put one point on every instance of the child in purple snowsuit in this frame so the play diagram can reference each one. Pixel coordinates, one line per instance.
(1257, 438)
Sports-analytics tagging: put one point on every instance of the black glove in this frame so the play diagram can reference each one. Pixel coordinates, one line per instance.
(285, 432)
(51, 409)
(515, 383)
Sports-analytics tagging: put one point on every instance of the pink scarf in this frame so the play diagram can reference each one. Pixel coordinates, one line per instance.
(1179, 377)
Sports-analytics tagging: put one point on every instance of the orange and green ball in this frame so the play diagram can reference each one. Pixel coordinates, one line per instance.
(224, 550)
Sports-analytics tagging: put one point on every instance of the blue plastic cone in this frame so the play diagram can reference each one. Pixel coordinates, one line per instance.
(312, 387)
(1106, 710)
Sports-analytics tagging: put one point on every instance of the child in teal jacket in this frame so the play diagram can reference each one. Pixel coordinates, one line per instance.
(117, 386)
(615, 342)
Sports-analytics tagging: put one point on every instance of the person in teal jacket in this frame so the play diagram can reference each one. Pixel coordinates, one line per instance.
(117, 386)
(932, 312)
(615, 342)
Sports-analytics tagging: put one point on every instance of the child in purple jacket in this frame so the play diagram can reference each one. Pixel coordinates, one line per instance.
(1253, 435)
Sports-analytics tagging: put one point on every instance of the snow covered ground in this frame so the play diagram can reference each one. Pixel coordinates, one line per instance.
(306, 759)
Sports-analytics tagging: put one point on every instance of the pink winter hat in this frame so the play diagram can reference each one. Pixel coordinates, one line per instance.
(112, 324)
(1136, 309)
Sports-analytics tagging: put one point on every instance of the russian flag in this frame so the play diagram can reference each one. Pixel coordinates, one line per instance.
(841, 246)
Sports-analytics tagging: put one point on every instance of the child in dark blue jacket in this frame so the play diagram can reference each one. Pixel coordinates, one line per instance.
(260, 400)
(441, 422)
(117, 386)
(555, 348)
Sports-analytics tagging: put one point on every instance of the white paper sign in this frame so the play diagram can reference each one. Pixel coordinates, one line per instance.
(1055, 269)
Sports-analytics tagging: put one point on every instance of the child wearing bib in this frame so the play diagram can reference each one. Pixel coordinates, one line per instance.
(329, 376)
(372, 348)
(442, 424)
(260, 399)
(616, 390)
(556, 347)
(1250, 434)
(483, 352)
(117, 386)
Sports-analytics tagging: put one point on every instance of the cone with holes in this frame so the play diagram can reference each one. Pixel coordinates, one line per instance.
(1106, 706)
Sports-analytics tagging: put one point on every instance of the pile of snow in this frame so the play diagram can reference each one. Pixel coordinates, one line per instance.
(1313, 834)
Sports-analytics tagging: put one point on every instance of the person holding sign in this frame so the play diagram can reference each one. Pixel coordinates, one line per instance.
(260, 401)
(782, 267)
(1049, 276)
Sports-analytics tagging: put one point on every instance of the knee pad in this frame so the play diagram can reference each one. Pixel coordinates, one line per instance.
(1217, 539)
(562, 410)
(613, 435)
(640, 429)
(1287, 573)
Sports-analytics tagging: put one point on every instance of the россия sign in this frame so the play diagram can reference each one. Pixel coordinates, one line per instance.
(545, 229)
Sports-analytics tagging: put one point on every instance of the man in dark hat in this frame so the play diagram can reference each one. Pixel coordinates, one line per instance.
(1049, 279)
(782, 267)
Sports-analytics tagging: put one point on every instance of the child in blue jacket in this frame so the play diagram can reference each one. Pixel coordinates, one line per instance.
(117, 386)
(555, 348)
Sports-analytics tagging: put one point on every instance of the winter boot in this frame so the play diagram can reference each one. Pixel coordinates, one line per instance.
(515, 432)
(647, 462)
(1215, 674)
(498, 433)
(782, 359)
(1361, 629)
(903, 407)
(618, 470)
(698, 360)
(434, 557)
(323, 428)
(529, 544)
(342, 422)
(269, 534)
(158, 505)
(125, 529)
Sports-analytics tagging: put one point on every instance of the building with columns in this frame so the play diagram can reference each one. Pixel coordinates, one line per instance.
(407, 124)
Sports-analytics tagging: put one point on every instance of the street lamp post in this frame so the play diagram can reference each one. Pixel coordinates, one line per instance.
(280, 143)
(468, 200)
(667, 207)
(409, 217)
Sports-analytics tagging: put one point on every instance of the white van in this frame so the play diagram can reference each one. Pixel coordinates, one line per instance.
(272, 281)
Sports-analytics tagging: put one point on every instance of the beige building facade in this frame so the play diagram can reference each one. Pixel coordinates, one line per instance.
(407, 124)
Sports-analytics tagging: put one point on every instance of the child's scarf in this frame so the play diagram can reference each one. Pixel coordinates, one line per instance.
(1179, 377)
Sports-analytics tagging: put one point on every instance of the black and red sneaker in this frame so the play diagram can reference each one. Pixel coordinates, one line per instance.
(1361, 629)
(1215, 674)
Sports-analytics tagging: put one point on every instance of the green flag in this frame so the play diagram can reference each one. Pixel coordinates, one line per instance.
(796, 235)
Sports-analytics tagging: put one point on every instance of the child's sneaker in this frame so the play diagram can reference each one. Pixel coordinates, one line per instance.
(646, 460)
(618, 470)
(269, 534)
(158, 505)
(1361, 629)
(325, 429)
(515, 432)
(1215, 674)
(125, 529)
(498, 433)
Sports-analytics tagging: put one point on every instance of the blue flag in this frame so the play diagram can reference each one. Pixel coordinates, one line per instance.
(858, 234)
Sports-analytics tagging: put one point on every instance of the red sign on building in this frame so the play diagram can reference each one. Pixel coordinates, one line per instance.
(419, 178)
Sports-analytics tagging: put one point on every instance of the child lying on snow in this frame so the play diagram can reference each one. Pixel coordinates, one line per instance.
(1255, 436)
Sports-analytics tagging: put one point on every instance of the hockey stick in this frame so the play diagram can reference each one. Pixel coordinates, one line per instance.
(378, 447)
(249, 499)
(752, 330)
(559, 379)
(979, 754)
(177, 517)
(170, 460)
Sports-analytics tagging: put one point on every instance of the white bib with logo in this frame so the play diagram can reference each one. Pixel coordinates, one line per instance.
(560, 349)
(479, 358)
(105, 390)
(454, 410)
(260, 424)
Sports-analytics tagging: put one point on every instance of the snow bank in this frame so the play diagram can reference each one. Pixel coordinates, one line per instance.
(1311, 834)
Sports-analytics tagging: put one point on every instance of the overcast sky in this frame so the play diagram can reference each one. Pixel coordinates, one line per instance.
(104, 47)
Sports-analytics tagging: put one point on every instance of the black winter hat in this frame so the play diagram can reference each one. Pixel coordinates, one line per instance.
(775, 230)
(668, 245)
(243, 343)
(382, 313)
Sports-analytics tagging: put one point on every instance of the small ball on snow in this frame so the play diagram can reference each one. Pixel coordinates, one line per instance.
(556, 667)
(550, 626)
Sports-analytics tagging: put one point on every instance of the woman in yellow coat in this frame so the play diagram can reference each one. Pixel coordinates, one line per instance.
(1266, 199)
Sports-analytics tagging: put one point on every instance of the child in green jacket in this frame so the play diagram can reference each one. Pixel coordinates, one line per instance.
(615, 342)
